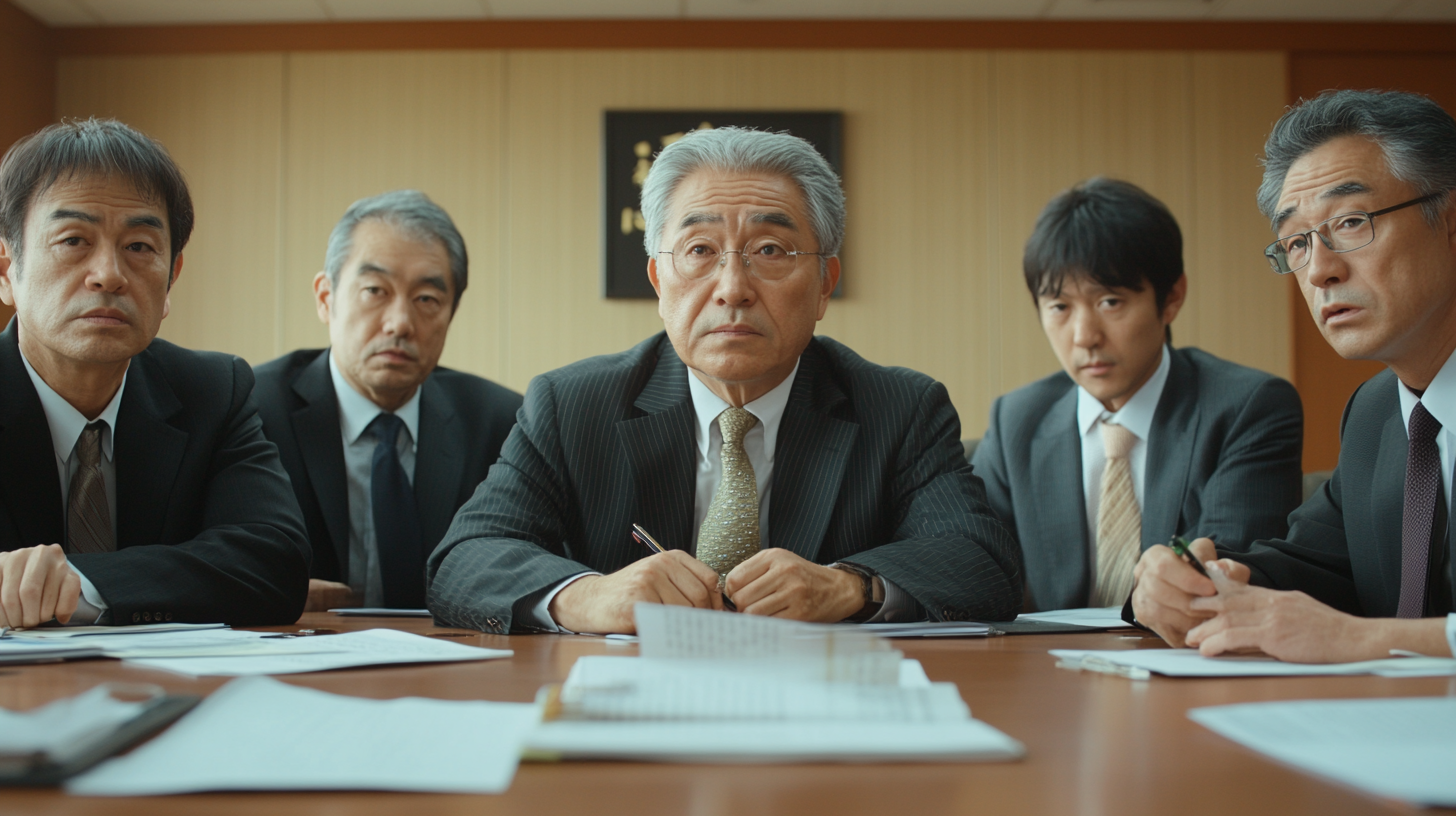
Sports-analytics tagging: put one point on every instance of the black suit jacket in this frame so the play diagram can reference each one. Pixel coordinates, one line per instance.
(464, 420)
(206, 527)
(1344, 544)
(1223, 461)
(868, 468)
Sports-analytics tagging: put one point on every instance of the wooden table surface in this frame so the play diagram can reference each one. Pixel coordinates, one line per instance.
(1096, 744)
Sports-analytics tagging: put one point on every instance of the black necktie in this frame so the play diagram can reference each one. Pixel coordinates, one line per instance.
(396, 521)
(1422, 491)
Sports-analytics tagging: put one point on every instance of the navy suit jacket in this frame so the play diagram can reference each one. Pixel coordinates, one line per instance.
(464, 420)
(207, 528)
(868, 469)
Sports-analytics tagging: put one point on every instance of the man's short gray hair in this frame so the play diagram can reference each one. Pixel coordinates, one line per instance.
(743, 150)
(411, 211)
(1417, 137)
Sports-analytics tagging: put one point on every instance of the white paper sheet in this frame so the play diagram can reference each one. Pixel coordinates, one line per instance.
(20, 650)
(371, 647)
(66, 632)
(1188, 663)
(1400, 748)
(261, 734)
(928, 629)
(380, 612)
(1109, 617)
(64, 726)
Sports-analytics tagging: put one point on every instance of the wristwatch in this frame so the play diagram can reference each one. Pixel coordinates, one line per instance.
(868, 576)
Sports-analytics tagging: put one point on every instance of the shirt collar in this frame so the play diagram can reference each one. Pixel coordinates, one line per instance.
(356, 411)
(66, 422)
(769, 409)
(1439, 398)
(1136, 414)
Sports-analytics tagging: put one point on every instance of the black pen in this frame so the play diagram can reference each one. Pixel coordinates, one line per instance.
(1181, 548)
(645, 539)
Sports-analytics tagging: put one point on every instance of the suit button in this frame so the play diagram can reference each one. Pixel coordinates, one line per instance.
(136, 617)
(169, 616)
(146, 616)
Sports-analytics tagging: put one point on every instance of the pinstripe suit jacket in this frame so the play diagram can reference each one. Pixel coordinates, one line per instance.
(868, 469)
(1223, 461)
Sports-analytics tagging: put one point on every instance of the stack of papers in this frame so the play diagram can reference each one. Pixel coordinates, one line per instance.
(17, 650)
(1140, 663)
(63, 728)
(930, 629)
(1403, 748)
(371, 647)
(723, 687)
(261, 734)
(1101, 618)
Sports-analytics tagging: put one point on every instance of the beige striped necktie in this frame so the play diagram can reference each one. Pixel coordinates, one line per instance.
(729, 535)
(88, 518)
(1119, 521)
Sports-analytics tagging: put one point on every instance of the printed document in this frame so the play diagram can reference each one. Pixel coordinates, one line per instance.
(1137, 663)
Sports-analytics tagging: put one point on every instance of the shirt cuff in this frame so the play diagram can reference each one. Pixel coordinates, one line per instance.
(540, 614)
(898, 606)
(1451, 633)
(90, 607)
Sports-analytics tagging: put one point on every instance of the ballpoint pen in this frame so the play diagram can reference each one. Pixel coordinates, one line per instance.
(1181, 548)
(645, 539)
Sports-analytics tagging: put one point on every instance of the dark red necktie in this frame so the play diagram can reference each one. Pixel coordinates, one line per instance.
(1422, 491)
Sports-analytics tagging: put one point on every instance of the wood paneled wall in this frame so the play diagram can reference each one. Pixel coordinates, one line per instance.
(27, 83)
(950, 155)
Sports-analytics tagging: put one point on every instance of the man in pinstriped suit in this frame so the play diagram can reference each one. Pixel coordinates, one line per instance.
(847, 497)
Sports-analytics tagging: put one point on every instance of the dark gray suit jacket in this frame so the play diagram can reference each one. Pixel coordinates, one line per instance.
(1344, 544)
(1223, 461)
(868, 468)
(207, 528)
(464, 420)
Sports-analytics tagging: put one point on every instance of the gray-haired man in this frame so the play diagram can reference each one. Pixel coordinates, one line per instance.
(1359, 186)
(383, 446)
(779, 470)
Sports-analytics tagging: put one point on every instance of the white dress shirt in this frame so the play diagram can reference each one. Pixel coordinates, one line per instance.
(1440, 400)
(1136, 415)
(356, 411)
(758, 444)
(66, 425)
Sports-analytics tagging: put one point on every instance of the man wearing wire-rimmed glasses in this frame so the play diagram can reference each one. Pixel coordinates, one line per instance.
(734, 460)
(1361, 189)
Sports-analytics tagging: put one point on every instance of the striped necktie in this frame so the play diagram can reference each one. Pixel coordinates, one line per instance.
(88, 517)
(1119, 521)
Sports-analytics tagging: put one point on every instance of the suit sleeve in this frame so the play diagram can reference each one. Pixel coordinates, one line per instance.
(248, 563)
(948, 550)
(1258, 481)
(505, 543)
(989, 463)
(1314, 557)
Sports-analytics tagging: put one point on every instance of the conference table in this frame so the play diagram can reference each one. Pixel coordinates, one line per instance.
(1095, 743)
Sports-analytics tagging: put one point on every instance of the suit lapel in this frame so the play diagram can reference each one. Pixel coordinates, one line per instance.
(810, 456)
(1058, 536)
(1387, 508)
(30, 485)
(1170, 453)
(439, 461)
(316, 427)
(148, 454)
(661, 452)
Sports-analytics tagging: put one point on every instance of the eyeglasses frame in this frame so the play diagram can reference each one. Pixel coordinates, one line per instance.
(1269, 250)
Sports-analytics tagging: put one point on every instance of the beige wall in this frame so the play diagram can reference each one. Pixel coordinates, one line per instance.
(949, 157)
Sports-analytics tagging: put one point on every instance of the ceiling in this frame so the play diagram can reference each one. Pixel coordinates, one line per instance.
(178, 12)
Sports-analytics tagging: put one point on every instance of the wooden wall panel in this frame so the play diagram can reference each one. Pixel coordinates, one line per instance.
(360, 124)
(949, 157)
(221, 119)
(27, 83)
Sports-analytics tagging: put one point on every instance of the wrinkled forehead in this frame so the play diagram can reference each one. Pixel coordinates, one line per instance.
(1326, 178)
(711, 197)
(83, 184)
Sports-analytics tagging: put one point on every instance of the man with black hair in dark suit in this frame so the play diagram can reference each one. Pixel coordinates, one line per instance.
(1134, 441)
(1360, 187)
(136, 485)
(779, 470)
(394, 273)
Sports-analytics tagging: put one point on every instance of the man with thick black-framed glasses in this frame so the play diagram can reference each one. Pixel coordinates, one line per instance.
(1360, 187)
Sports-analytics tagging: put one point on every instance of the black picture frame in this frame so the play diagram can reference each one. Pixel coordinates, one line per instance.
(631, 140)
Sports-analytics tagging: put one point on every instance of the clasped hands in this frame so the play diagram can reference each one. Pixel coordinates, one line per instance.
(37, 584)
(1187, 609)
(773, 582)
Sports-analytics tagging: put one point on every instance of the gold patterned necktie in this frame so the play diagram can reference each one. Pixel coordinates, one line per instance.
(729, 534)
(88, 519)
(1119, 521)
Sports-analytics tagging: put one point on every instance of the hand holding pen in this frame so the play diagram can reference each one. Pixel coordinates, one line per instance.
(645, 539)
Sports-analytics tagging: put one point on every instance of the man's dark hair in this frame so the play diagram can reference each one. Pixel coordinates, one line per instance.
(91, 147)
(1109, 231)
